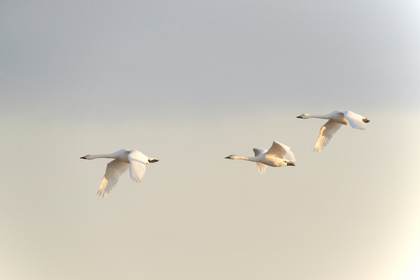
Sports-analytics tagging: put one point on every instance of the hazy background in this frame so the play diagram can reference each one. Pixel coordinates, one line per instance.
(190, 82)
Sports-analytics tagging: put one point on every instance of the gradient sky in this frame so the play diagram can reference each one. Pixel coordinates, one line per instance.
(190, 82)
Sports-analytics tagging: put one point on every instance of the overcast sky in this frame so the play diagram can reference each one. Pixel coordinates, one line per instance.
(190, 82)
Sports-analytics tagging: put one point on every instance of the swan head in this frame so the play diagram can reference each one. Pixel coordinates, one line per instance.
(303, 116)
(152, 160)
(85, 157)
(231, 157)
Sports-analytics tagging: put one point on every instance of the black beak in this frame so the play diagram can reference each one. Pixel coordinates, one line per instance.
(299, 117)
(153, 160)
(83, 157)
(227, 157)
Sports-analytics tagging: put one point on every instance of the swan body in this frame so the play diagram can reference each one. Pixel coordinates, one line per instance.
(124, 160)
(274, 157)
(335, 121)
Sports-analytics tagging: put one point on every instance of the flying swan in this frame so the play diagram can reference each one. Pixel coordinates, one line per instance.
(335, 119)
(124, 160)
(275, 157)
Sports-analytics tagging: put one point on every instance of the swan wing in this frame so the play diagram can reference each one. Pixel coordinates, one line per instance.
(288, 151)
(261, 167)
(258, 151)
(355, 120)
(326, 132)
(280, 150)
(114, 170)
(138, 163)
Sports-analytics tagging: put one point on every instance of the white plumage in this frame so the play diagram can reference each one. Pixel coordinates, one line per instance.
(336, 119)
(124, 160)
(275, 157)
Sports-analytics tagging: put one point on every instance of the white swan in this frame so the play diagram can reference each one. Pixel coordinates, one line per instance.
(275, 157)
(335, 120)
(124, 160)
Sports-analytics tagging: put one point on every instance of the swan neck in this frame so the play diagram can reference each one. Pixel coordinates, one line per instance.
(318, 116)
(102, 156)
(245, 158)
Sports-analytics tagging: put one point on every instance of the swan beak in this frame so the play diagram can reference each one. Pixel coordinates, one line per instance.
(299, 117)
(83, 157)
(152, 160)
(228, 157)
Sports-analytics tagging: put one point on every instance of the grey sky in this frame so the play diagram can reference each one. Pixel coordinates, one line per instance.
(189, 82)
(216, 56)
